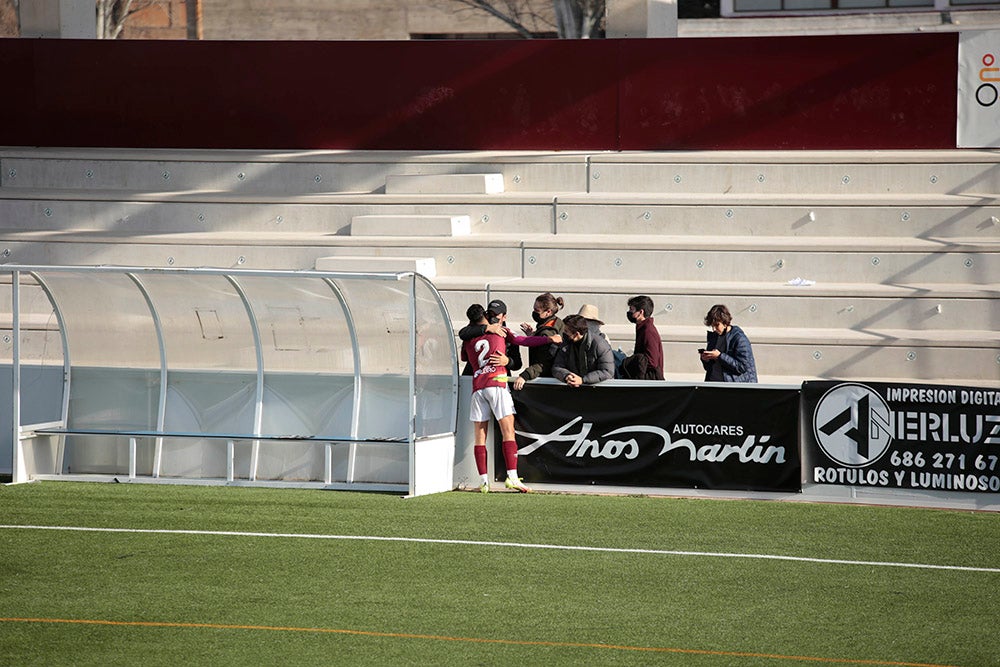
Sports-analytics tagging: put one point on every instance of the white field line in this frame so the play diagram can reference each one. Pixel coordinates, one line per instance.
(517, 545)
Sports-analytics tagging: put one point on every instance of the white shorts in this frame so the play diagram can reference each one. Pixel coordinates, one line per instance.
(491, 402)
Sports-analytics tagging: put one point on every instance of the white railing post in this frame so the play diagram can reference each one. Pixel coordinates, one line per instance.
(131, 457)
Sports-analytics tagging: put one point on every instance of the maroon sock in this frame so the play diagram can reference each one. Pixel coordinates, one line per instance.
(510, 454)
(479, 452)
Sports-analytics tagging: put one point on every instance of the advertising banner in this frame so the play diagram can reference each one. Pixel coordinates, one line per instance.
(903, 436)
(978, 89)
(711, 437)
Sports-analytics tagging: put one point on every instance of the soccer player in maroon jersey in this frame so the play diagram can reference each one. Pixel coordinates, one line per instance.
(490, 395)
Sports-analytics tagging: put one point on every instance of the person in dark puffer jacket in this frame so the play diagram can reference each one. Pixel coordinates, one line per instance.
(728, 356)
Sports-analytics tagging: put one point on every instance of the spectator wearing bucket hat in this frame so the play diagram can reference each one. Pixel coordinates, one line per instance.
(582, 358)
(590, 313)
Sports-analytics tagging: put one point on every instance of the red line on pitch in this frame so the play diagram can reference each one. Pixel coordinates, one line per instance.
(474, 640)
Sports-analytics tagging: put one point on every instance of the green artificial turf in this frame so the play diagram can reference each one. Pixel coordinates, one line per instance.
(244, 599)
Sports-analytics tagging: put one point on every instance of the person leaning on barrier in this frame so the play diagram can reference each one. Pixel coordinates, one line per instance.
(582, 358)
(547, 323)
(728, 356)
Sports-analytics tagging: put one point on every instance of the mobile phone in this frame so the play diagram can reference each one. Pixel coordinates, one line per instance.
(701, 350)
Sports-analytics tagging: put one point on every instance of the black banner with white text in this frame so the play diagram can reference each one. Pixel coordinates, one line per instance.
(903, 436)
(704, 436)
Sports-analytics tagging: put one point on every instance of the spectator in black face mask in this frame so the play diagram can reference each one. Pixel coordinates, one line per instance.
(547, 323)
(496, 315)
(646, 361)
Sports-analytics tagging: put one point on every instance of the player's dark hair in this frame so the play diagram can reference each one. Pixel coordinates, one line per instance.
(475, 313)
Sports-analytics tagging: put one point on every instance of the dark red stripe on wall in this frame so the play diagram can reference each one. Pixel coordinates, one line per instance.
(837, 92)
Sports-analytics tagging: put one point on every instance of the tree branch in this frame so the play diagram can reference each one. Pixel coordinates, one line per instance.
(512, 18)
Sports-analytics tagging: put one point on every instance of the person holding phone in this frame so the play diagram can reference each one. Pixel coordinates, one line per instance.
(728, 355)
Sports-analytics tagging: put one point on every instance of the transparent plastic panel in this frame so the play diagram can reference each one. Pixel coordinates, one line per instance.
(308, 356)
(119, 399)
(205, 323)
(41, 353)
(107, 320)
(308, 371)
(436, 377)
(380, 312)
(114, 351)
(41, 356)
(41, 338)
(211, 353)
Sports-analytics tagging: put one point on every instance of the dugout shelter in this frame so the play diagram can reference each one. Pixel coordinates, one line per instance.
(302, 378)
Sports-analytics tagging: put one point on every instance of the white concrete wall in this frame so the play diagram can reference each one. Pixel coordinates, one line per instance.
(902, 246)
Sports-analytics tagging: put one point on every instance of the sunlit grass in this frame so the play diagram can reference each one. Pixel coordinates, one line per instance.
(252, 599)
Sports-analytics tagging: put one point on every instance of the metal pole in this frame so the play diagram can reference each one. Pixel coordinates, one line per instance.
(356, 351)
(412, 402)
(17, 460)
(131, 458)
(258, 407)
(67, 368)
(161, 410)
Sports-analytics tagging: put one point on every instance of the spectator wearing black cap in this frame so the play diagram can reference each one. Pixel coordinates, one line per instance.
(496, 315)
(490, 395)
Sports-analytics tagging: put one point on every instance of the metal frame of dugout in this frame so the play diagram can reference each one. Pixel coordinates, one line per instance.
(226, 376)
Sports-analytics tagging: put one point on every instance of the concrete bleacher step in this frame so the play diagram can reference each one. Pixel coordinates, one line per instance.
(277, 172)
(262, 252)
(816, 172)
(845, 306)
(780, 265)
(410, 225)
(902, 245)
(666, 172)
(938, 217)
(826, 359)
(422, 265)
(470, 184)
(216, 212)
(829, 361)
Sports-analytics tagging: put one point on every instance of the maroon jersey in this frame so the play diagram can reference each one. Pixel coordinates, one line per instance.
(478, 351)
